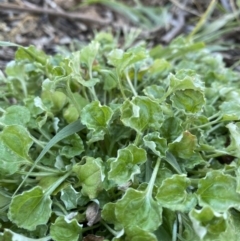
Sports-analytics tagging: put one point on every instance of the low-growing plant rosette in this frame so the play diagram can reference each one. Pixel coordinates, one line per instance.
(119, 144)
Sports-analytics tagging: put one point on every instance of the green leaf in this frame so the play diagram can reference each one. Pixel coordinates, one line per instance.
(108, 214)
(15, 143)
(109, 80)
(125, 166)
(159, 66)
(134, 233)
(123, 60)
(71, 114)
(96, 117)
(171, 128)
(165, 231)
(156, 143)
(136, 208)
(218, 191)
(47, 182)
(232, 231)
(16, 115)
(173, 194)
(16, 71)
(54, 99)
(230, 110)
(178, 48)
(5, 199)
(191, 162)
(141, 113)
(69, 196)
(32, 54)
(188, 100)
(185, 79)
(234, 147)
(173, 162)
(63, 133)
(208, 223)
(184, 145)
(72, 146)
(89, 53)
(91, 176)
(30, 208)
(154, 91)
(64, 229)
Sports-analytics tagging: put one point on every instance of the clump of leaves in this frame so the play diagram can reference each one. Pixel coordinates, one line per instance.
(107, 144)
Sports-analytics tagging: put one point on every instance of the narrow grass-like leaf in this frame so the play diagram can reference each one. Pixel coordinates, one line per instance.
(66, 131)
(8, 44)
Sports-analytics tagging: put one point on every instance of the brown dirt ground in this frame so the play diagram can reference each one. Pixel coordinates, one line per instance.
(48, 24)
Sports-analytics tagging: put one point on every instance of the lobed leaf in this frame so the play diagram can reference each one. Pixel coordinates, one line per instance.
(69, 196)
(15, 142)
(136, 208)
(16, 115)
(156, 143)
(30, 208)
(123, 60)
(218, 191)
(96, 117)
(185, 79)
(64, 229)
(173, 194)
(125, 166)
(184, 145)
(141, 113)
(208, 223)
(188, 100)
(91, 176)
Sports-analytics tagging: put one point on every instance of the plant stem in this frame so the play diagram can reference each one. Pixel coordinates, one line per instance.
(37, 174)
(153, 178)
(48, 169)
(121, 87)
(174, 231)
(90, 228)
(148, 171)
(71, 97)
(216, 154)
(207, 124)
(180, 224)
(57, 183)
(8, 181)
(137, 139)
(214, 128)
(61, 207)
(130, 84)
(113, 232)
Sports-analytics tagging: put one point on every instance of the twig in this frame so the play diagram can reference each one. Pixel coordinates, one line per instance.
(181, 6)
(177, 28)
(226, 5)
(37, 10)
